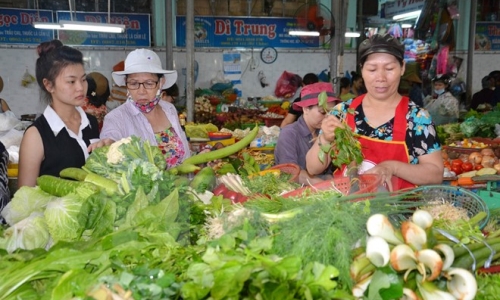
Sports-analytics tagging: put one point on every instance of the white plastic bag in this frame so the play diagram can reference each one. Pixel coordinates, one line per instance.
(8, 120)
(12, 137)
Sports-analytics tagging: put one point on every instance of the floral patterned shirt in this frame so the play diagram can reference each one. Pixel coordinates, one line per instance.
(421, 136)
(171, 146)
(98, 112)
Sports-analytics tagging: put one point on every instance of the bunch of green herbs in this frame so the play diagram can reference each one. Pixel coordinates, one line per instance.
(270, 184)
(346, 148)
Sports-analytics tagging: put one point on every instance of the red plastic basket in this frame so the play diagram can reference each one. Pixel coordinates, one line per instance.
(272, 121)
(291, 169)
(368, 183)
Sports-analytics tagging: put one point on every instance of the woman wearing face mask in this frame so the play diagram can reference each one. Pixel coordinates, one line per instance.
(144, 114)
(442, 105)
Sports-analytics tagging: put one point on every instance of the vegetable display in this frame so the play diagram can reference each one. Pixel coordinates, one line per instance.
(129, 229)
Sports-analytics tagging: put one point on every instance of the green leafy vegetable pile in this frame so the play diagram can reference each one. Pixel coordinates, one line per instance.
(481, 125)
(270, 184)
(130, 161)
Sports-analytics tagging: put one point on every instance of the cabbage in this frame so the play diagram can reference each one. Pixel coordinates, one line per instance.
(61, 215)
(25, 201)
(30, 233)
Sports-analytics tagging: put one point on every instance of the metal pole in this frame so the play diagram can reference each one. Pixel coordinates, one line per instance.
(337, 42)
(169, 32)
(190, 60)
(470, 51)
(343, 6)
(361, 28)
(333, 42)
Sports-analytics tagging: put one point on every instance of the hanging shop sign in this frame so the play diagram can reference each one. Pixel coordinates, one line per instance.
(137, 32)
(487, 36)
(398, 7)
(16, 26)
(247, 32)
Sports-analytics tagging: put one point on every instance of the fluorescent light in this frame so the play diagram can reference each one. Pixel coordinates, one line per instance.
(406, 16)
(90, 26)
(45, 25)
(406, 25)
(303, 33)
(352, 34)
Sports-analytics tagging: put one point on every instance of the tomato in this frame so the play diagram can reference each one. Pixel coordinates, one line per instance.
(231, 195)
(220, 189)
(457, 169)
(467, 166)
(456, 162)
(478, 167)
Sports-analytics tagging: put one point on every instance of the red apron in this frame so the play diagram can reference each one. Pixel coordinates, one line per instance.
(376, 151)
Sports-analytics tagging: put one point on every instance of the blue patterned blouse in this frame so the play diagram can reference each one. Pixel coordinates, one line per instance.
(421, 136)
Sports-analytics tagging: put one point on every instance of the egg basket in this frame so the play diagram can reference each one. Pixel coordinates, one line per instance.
(456, 196)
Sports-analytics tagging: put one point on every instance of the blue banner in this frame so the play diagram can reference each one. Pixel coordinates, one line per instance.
(137, 32)
(487, 36)
(16, 26)
(231, 32)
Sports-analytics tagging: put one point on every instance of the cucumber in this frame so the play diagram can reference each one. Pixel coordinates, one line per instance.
(220, 153)
(61, 187)
(74, 173)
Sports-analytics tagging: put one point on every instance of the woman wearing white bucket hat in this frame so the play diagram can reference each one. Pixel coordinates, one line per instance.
(143, 114)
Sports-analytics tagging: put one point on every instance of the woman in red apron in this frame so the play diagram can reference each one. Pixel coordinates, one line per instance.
(399, 141)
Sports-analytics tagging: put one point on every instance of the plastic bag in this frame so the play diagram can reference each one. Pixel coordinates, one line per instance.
(287, 85)
(8, 120)
(12, 137)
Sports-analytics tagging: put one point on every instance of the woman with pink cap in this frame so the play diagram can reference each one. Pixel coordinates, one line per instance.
(297, 138)
(398, 138)
(143, 114)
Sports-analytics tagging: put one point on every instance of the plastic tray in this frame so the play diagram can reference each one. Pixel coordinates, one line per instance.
(273, 121)
(367, 184)
(491, 196)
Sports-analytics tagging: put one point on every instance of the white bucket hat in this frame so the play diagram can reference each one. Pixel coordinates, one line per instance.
(144, 61)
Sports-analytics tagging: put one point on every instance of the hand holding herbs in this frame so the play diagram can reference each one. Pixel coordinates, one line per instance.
(346, 148)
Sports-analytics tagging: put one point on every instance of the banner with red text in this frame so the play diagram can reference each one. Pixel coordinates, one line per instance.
(246, 32)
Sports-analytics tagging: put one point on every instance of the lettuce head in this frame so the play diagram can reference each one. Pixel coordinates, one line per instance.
(29, 233)
(25, 201)
(61, 215)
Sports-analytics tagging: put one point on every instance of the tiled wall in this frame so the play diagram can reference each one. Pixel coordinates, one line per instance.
(23, 100)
